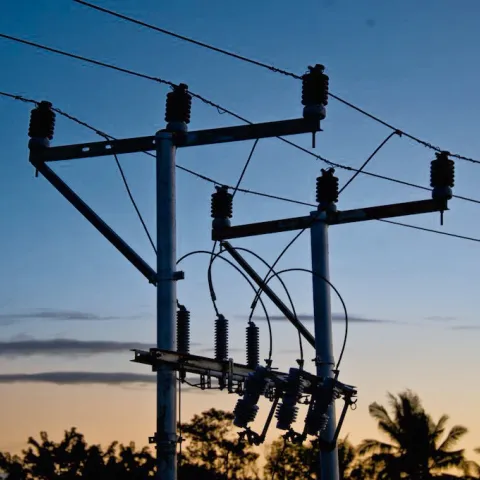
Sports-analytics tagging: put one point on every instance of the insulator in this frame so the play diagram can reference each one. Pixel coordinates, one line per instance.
(315, 92)
(222, 203)
(287, 411)
(221, 338)
(183, 330)
(327, 187)
(317, 416)
(179, 105)
(42, 121)
(253, 345)
(442, 175)
(246, 408)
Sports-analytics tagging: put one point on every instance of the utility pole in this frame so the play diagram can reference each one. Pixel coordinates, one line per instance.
(171, 355)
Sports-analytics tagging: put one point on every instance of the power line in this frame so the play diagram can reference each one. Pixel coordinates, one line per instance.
(251, 192)
(272, 69)
(221, 109)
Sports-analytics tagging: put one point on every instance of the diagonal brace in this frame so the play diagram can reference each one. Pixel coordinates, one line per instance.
(127, 251)
(270, 293)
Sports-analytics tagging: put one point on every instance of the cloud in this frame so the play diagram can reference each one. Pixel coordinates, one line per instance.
(465, 327)
(78, 378)
(440, 318)
(56, 314)
(336, 317)
(122, 379)
(65, 346)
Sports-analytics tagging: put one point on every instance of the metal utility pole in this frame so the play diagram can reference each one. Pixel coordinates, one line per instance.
(166, 436)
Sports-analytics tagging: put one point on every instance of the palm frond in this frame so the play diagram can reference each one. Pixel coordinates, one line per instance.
(453, 436)
(370, 446)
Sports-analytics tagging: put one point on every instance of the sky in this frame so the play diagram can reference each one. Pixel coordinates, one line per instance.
(71, 307)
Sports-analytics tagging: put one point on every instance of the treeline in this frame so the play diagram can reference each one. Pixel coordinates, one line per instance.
(416, 447)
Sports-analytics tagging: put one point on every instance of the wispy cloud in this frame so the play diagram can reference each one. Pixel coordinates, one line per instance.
(122, 379)
(440, 318)
(78, 378)
(465, 327)
(56, 314)
(65, 346)
(336, 317)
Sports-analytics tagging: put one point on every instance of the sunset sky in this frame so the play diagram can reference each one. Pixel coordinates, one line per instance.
(71, 307)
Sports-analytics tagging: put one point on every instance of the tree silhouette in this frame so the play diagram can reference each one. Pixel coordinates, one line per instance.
(212, 443)
(300, 461)
(417, 450)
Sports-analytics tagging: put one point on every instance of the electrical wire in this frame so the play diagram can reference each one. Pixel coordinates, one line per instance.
(213, 295)
(272, 69)
(287, 292)
(367, 161)
(277, 274)
(247, 163)
(262, 194)
(221, 109)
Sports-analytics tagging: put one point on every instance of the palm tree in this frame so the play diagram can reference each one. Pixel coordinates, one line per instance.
(416, 450)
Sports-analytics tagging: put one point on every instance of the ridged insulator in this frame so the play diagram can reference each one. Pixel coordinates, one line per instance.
(287, 411)
(244, 412)
(442, 172)
(179, 105)
(327, 187)
(315, 87)
(183, 330)
(253, 345)
(42, 121)
(317, 416)
(221, 338)
(222, 203)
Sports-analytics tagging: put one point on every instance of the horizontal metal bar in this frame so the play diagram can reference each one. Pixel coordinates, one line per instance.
(333, 218)
(253, 131)
(269, 293)
(192, 139)
(261, 228)
(97, 222)
(388, 211)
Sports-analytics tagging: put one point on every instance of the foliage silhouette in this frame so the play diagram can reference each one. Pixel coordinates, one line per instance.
(419, 449)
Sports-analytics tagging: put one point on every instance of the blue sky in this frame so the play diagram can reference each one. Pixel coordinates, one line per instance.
(413, 64)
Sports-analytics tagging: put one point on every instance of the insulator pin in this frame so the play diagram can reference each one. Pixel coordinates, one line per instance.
(327, 188)
(42, 121)
(221, 338)
(179, 105)
(183, 330)
(221, 207)
(442, 176)
(287, 411)
(315, 92)
(253, 345)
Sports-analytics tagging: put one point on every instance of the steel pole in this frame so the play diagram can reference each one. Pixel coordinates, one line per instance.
(166, 434)
(323, 333)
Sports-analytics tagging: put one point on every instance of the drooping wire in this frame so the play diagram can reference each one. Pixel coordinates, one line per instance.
(287, 292)
(277, 274)
(367, 161)
(272, 69)
(212, 290)
(332, 286)
(266, 195)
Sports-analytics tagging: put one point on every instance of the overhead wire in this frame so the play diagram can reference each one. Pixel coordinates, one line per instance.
(246, 191)
(272, 69)
(213, 294)
(221, 109)
(287, 292)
